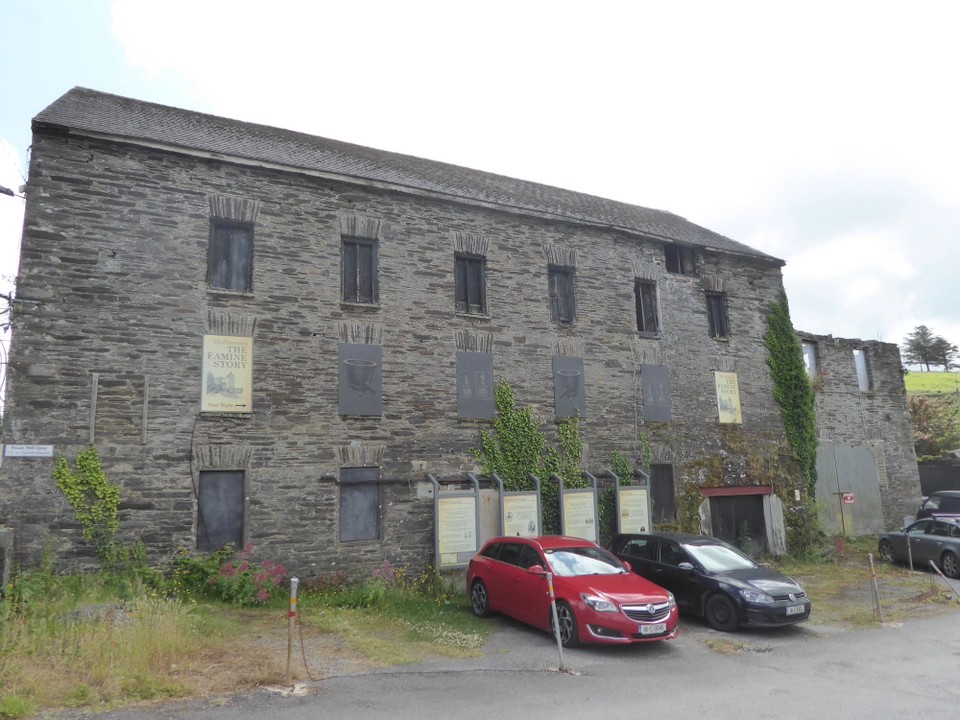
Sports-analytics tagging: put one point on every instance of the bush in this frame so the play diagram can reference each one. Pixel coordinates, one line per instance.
(226, 576)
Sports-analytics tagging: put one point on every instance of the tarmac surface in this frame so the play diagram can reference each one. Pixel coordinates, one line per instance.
(807, 671)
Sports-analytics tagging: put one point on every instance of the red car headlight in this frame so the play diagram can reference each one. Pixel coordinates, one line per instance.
(598, 603)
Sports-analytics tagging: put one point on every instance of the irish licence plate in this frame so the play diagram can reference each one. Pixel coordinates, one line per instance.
(795, 610)
(657, 629)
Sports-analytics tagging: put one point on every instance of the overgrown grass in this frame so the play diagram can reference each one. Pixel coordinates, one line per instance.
(840, 584)
(79, 647)
(101, 641)
(919, 383)
(396, 617)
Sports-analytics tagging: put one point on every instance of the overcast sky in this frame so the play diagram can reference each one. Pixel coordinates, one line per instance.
(824, 133)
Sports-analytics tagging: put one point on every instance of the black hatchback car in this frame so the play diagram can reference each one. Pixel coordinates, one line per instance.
(942, 503)
(713, 579)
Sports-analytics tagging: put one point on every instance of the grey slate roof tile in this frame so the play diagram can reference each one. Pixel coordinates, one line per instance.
(83, 111)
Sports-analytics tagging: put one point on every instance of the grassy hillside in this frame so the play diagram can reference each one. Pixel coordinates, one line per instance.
(921, 383)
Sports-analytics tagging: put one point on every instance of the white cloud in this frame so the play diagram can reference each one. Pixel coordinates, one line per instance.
(821, 133)
(11, 217)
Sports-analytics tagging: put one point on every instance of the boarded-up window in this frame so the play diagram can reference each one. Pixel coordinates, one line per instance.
(569, 391)
(646, 300)
(359, 270)
(230, 256)
(361, 379)
(717, 314)
(662, 493)
(657, 401)
(475, 385)
(220, 509)
(470, 279)
(359, 504)
(562, 297)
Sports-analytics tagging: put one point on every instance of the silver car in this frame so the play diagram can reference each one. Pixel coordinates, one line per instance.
(936, 539)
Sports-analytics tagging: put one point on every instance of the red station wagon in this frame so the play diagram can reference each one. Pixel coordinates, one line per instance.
(598, 599)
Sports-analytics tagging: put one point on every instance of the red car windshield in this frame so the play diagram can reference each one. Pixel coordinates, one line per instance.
(570, 562)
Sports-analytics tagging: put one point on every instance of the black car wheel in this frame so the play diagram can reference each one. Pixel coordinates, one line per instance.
(480, 599)
(885, 549)
(950, 564)
(568, 625)
(722, 613)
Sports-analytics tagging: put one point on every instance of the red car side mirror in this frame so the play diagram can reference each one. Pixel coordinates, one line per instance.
(536, 570)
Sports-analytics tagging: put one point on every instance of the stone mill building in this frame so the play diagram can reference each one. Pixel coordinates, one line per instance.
(273, 338)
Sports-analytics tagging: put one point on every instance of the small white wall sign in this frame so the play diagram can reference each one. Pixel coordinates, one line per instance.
(28, 450)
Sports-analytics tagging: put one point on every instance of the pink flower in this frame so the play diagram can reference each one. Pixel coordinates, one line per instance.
(244, 566)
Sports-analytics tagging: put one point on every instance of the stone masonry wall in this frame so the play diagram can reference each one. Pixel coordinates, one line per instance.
(113, 283)
(878, 417)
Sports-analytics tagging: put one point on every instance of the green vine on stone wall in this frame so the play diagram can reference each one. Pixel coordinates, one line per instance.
(516, 447)
(793, 391)
(607, 502)
(94, 499)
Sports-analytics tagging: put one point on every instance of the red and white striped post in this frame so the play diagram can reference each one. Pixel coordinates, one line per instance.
(291, 620)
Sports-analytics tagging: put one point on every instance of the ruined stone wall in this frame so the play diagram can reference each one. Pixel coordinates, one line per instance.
(876, 417)
(113, 292)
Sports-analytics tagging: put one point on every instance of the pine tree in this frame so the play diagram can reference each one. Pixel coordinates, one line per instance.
(922, 347)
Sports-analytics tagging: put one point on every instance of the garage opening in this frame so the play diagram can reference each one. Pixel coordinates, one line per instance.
(738, 516)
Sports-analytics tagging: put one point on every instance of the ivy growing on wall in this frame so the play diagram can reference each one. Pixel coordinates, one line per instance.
(94, 499)
(607, 502)
(793, 391)
(516, 447)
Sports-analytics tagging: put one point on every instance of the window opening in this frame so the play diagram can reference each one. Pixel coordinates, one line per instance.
(646, 300)
(680, 260)
(471, 284)
(809, 357)
(562, 294)
(862, 363)
(717, 314)
(359, 271)
(230, 256)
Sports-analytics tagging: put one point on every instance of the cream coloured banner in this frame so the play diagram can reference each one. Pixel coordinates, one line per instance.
(728, 398)
(227, 374)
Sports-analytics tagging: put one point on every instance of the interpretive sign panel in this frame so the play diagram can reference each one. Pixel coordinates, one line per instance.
(634, 506)
(520, 516)
(580, 514)
(456, 530)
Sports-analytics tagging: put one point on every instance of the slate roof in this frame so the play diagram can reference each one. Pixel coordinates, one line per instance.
(84, 111)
